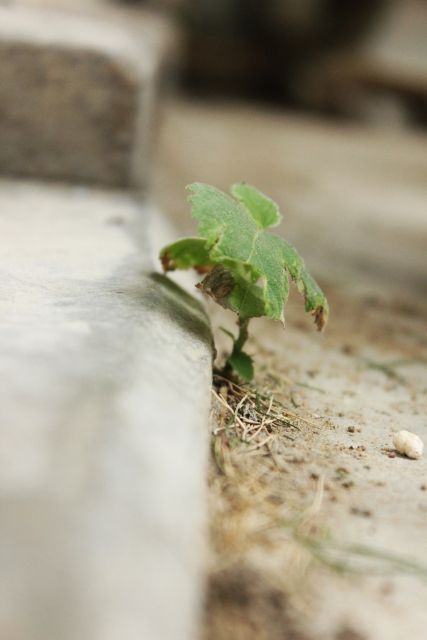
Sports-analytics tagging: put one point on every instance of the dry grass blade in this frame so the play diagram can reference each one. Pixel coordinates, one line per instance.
(252, 423)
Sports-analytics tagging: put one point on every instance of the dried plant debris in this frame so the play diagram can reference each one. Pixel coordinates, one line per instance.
(251, 421)
(259, 502)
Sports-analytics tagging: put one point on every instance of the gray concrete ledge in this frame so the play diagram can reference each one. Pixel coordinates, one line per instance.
(105, 371)
(78, 91)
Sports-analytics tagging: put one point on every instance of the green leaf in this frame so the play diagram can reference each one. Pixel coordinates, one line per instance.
(258, 262)
(263, 210)
(232, 291)
(185, 254)
(242, 364)
(247, 267)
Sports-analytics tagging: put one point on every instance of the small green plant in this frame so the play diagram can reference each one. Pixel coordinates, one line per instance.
(246, 268)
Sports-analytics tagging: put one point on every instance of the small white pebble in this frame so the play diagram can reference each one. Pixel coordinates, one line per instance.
(409, 444)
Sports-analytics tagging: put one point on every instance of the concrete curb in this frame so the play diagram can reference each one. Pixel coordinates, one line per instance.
(106, 373)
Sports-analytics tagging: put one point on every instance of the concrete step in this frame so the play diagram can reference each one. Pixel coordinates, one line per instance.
(105, 370)
(78, 90)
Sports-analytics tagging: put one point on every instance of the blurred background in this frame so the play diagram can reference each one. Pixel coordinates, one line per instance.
(321, 103)
(359, 59)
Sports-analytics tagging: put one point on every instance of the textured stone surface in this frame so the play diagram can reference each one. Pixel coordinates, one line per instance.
(78, 91)
(105, 371)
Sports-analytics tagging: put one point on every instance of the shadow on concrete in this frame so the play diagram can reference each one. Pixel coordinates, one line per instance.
(172, 301)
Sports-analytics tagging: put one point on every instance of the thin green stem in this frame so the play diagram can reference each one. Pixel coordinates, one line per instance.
(243, 335)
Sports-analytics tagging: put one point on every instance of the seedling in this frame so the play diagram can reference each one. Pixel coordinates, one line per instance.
(246, 268)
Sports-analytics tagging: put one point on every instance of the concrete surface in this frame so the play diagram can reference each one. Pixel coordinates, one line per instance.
(105, 373)
(78, 90)
(354, 202)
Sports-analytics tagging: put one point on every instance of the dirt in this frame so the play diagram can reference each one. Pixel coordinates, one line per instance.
(330, 481)
(244, 605)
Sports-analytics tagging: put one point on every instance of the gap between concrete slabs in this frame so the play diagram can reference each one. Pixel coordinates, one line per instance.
(106, 373)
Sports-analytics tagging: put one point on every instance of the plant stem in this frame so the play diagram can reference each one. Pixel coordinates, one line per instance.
(243, 323)
(243, 335)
